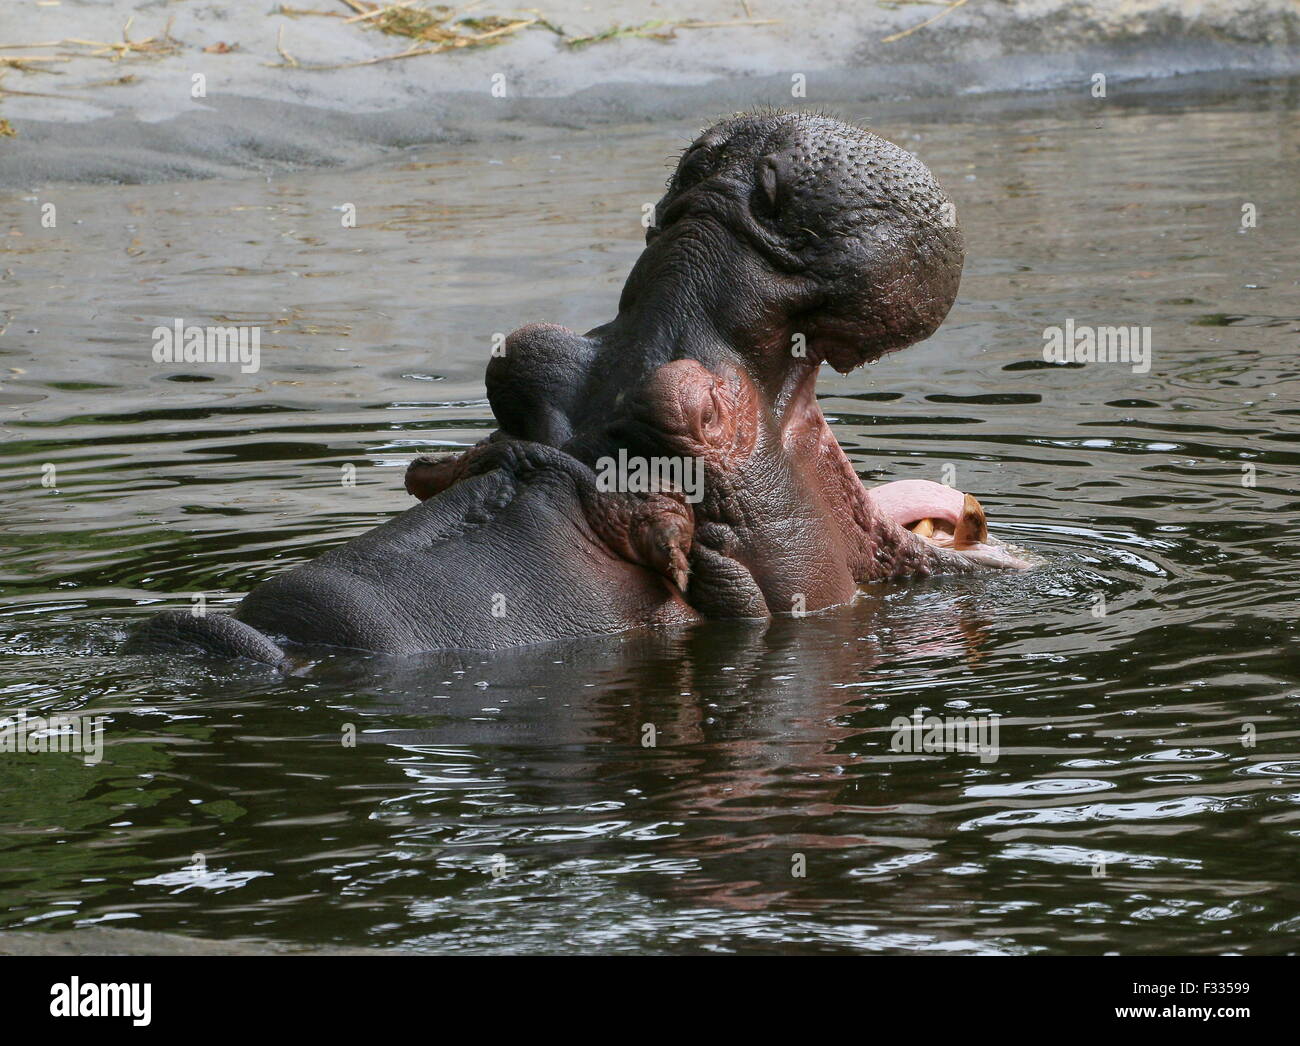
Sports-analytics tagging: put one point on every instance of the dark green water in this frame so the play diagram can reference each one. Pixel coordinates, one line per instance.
(506, 803)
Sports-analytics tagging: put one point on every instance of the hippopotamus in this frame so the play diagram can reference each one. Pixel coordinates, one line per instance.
(784, 240)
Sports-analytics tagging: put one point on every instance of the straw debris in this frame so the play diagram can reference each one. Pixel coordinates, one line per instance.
(114, 51)
(433, 30)
(662, 29)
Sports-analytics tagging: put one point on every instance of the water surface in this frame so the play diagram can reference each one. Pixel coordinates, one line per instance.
(1147, 793)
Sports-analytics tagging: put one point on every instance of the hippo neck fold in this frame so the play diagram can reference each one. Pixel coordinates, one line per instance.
(697, 292)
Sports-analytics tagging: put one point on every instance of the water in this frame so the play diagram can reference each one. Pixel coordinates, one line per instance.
(507, 803)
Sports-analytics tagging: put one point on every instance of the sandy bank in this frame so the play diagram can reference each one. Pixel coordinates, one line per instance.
(87, 117)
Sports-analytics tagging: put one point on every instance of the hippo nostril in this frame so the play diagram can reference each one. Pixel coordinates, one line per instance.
(769, 180)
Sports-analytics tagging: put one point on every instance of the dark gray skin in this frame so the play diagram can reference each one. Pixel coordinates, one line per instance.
(784, 240)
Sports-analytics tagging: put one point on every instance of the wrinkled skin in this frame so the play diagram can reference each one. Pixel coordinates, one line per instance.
(783, 241)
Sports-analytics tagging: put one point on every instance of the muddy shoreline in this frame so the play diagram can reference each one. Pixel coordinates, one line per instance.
(90, 118)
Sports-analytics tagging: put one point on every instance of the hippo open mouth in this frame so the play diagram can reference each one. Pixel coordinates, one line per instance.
(784, 240)
(945, 517)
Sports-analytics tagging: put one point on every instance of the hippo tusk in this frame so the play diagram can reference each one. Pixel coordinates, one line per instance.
(972, 528)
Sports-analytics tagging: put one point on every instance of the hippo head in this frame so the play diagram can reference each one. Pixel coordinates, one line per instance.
(784, 240)
(854, 244)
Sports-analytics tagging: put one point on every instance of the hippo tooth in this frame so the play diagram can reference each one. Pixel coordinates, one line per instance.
(923, 528)
(972, 528)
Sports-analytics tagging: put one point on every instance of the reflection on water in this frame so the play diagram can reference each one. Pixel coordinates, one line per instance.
(1147, 792)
